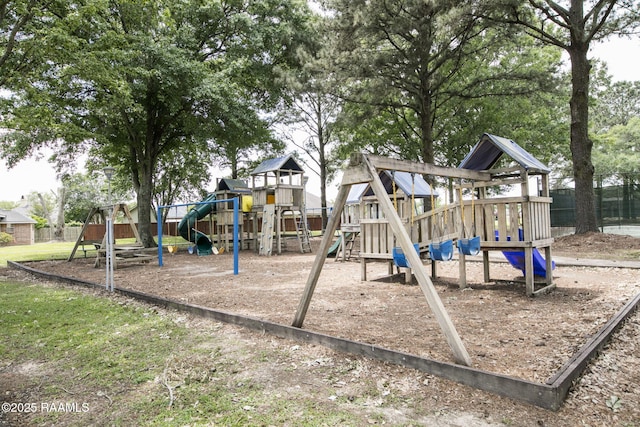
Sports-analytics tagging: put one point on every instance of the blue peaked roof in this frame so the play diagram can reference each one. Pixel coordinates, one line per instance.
(284, 163)
(236, 185)
(486, 153)
(419, 187)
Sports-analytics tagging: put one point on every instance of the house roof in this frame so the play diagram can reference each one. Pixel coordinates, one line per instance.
(415, 185)
(14, 217)
(486, 153)
(235, 185)
(284, 163)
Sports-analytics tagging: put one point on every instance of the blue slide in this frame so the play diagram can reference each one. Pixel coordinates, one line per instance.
(187, 226)
(516, 259)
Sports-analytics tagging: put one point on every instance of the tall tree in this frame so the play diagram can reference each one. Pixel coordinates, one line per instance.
(415, 61)
(310, 116)
(617, 160)
(573, 28)
(133, 80)
(615, 103)
(20, 21)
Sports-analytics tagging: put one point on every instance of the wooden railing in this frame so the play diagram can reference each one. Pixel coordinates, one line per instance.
(500, 222)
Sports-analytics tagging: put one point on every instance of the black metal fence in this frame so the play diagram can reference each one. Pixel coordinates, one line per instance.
(615, 205)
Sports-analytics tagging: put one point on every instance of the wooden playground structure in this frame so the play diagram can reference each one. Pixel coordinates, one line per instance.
(123, 254)
(518, 226)
(278, 188)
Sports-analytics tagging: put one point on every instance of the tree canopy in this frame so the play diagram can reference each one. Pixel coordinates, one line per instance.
(417, 70)
(572, 26)
(136, 83)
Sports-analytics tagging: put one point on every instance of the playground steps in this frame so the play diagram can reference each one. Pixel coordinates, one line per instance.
(302, 231)
(347, 246)
(268, 221)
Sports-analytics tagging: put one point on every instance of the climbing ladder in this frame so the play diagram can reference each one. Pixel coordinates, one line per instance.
(346, 247)
(266, 238)
(302, 231)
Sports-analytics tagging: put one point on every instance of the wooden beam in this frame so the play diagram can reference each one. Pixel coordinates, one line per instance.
(355, 174)
(386, 163)
(332, 225)
(92, 212)
(402, 237)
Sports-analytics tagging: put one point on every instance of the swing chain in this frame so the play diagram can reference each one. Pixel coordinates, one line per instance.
(393, 184)
(413, 198)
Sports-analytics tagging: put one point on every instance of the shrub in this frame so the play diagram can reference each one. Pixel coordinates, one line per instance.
(40, 222)
(5, 238)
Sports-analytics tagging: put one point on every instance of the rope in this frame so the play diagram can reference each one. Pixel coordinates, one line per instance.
(464, 225)
(473, 210)
(413, 198)
(395, 197)
(433, 216)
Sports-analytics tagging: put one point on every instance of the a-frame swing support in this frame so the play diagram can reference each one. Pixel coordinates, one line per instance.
(363, 168)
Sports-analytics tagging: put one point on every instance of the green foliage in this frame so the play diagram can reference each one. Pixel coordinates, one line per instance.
(5, 238)
(83, 191)
(614, 403)
(7, 205)
(41, 204)
(428, 78)
(40, 222)
(616, 153)
(613, 103)
(145, 85)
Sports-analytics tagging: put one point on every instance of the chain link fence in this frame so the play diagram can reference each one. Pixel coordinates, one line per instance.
(616, 205)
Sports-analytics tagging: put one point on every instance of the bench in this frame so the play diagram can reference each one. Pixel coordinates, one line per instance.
(95, 243)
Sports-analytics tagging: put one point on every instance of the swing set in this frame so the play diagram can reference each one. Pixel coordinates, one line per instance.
(439, 231)
(441, 250)
(469, 245)
(201, 242)
(399, 258)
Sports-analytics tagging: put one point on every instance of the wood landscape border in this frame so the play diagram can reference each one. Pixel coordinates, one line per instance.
(549, 395)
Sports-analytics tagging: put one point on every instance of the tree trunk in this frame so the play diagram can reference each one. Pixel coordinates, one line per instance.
(581, 145)
(426, 124)
(322, 161)
(145, 191)
(58, 234)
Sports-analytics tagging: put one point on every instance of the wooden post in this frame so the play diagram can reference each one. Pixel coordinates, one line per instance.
(332, 225)
(462, 270)
(460, 353)
(92, 212)
(528, 271)
(278, 229)
(486, 265)
(363, 269)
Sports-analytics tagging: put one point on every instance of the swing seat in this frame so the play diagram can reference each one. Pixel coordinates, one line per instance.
(442, 251)
(470, 246)
(398, 256)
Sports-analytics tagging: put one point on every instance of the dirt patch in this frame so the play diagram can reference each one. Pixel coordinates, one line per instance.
(503, 330)
(598, 245)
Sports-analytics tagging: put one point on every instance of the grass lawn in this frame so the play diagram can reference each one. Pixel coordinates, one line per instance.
(58, 250)
(113, 361)
(37, 252)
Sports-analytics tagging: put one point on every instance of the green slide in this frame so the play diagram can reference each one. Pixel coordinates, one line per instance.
(187, 226)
